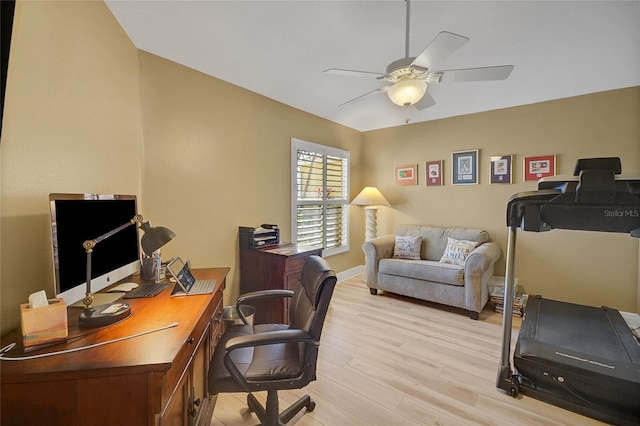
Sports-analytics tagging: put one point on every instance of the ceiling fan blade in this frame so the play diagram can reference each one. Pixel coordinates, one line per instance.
(353, 73)
(440, 47)
(425, 102)
(474, 74)
(378, 90)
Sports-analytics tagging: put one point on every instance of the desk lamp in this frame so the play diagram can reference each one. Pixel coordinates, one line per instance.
(371, 198)
(102, 315)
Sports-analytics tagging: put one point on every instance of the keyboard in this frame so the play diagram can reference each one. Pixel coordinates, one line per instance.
(202, 287)
(198, 287)
(146, 290)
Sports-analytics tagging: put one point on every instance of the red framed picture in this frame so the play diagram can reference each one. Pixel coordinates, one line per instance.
(539, 167)
(434, 173)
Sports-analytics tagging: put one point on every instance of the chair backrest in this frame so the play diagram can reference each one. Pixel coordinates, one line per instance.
(310, 302)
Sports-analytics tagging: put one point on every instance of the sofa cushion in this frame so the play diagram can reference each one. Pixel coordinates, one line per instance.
(407, 247)
(424, 270)
(457, 251)
(434, 239)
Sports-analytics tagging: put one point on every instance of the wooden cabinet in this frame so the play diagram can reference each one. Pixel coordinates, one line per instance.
(155, 374)
(275, 267)
(190, 403)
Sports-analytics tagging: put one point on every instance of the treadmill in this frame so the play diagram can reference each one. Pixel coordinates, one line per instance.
(582, 358)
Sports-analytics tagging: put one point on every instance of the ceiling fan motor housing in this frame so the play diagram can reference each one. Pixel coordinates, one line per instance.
(402, 70)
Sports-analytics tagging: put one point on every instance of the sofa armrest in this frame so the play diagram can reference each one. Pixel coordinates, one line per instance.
(478, 269)
(374, 250)
(484, 255)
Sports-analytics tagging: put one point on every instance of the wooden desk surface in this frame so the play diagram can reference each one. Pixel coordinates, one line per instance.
(151, 352)
(288, 249)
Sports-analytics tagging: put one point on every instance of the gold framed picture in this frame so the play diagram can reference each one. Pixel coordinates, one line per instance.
(407, 175)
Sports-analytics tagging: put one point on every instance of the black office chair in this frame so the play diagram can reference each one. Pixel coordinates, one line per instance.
(270, 357)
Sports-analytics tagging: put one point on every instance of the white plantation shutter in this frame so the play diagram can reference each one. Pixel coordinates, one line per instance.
(320, 190)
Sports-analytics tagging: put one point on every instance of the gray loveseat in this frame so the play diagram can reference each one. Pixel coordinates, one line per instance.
(462, 286)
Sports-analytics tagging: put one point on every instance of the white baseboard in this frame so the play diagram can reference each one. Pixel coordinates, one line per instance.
(350, 273)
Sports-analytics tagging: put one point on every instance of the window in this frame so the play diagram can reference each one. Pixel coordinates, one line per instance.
(319, 196)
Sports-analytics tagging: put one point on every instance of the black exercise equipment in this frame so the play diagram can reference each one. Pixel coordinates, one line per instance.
(581, 358)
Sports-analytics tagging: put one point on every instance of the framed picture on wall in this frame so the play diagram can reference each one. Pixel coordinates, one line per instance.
(539, 167)
(465, 167)
(434, 173)
(501, 169)
(407, 175)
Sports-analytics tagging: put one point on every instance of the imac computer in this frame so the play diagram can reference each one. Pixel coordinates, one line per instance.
(76, 218)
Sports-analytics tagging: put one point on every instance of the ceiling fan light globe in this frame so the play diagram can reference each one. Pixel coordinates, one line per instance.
(407, 92)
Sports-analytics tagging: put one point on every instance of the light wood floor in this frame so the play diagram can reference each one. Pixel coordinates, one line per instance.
(390, 360)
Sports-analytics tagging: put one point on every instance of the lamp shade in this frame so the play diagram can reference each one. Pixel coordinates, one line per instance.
(407, 92)
(154, 237)
(370, 196)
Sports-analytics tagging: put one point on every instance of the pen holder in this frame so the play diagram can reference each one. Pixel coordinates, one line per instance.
(149, 269)
(45, 324)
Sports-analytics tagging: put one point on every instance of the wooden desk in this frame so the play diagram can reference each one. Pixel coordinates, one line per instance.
(275, 267)
(154, 379)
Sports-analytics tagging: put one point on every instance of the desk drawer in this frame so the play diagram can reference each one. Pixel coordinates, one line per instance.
(292, 279)
(216, 325)
(295, 263)
(175, 375)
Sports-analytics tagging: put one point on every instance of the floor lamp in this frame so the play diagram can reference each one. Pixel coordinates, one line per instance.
(371, 198)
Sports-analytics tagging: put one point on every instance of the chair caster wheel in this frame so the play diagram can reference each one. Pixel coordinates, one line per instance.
(311, 406)
(250, 402)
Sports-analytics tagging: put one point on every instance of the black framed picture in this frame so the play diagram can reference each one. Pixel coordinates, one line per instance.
(465, 167)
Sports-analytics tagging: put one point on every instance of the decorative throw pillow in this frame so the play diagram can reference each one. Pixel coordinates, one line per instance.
(457, 251)
(407, 247)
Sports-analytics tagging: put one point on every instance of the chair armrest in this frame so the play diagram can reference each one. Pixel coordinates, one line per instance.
(264, 294)
(374, 250)
(270, 338)
(260, 294)
(261, 339)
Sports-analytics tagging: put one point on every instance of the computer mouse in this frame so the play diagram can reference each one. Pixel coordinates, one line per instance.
(124, 287)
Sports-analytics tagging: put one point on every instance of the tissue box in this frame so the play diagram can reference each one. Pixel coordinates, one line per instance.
(45, 324)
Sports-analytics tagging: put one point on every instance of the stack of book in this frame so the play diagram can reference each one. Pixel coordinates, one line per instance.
(519, 301)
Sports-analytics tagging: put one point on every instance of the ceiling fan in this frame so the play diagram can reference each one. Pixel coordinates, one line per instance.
(410, 76)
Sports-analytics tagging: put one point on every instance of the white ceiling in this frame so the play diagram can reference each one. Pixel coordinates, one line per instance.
(280, 48)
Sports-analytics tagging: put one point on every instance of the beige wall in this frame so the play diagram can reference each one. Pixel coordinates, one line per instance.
(218, 157)
(87, 112)
(583, 267)
(71, 124)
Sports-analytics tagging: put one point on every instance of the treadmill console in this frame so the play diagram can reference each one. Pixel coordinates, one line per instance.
(596, 198)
